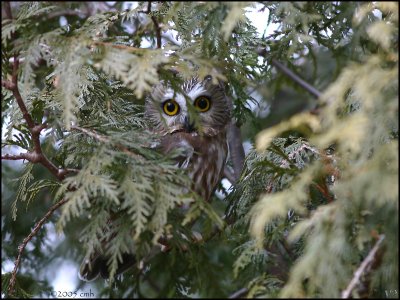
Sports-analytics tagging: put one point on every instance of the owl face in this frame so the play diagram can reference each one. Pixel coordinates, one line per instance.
(202, 108)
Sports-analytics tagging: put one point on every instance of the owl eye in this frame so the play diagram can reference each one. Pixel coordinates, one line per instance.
(202, 103)
(170, 107)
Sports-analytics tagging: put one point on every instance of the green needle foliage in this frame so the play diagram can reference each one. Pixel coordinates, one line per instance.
(317, 199)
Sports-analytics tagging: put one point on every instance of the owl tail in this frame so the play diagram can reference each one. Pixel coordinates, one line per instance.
(96, 265)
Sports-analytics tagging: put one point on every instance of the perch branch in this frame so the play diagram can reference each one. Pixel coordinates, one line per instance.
(289, 73)
(228, 174)
(156, 25)
(364, 268)
(21, 247)
(236, 150)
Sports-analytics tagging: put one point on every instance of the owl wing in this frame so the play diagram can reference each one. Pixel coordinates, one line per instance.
(182, 146)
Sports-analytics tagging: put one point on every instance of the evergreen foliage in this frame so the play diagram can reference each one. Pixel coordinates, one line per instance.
(319, 186)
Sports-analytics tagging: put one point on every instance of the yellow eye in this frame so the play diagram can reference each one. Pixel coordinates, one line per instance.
(202, 103)
(170, 107)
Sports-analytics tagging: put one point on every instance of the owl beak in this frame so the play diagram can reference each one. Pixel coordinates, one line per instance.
(188, 125)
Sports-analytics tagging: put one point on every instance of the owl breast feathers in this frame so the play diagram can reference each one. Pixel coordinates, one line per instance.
(195, 122)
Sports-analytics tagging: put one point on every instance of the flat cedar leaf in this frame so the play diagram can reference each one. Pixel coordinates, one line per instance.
(235, 15)
(303, 122)
(138, 72)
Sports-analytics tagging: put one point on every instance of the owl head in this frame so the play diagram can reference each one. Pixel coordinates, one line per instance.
(201, 108)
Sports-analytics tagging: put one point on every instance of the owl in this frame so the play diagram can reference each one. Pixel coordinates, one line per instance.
(194, 122)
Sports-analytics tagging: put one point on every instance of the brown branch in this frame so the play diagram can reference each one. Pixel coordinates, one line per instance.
(364, 268)
(27, 240)
(37, 155)
(156, 25)
(19, 156)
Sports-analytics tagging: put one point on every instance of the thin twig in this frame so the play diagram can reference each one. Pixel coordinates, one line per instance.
(364, 268)
(240, 293)
(19, 156)
(27, 240)
(123, 47)
(104, 139)
(305, 85)
(156, 25)
(285, 70)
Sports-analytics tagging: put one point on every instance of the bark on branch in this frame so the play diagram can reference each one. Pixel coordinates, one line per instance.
(21, 247)
(363, 268)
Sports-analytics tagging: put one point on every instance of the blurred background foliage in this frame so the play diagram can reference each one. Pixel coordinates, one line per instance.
(319, 187)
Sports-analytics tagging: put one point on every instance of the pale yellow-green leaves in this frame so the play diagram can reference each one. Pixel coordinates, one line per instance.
(304, 122)
(198, 207)
(86, 185)
(235, 15)
(138, 71)
(70, 80)
(278, 204)
(381, 33)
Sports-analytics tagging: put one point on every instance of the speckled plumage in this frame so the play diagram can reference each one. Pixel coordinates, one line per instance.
(205, 147)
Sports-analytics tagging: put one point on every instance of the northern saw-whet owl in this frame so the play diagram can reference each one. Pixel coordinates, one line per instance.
(203, 143)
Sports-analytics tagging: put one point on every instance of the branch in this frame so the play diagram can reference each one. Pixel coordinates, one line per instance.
(37, 155)
(19, 156)
(236, 150)
(240, 293)
(364, 268)
(104, 139)
(156, 25)
(27, 240)
(228, 174)
(285, 70)
(305, 85)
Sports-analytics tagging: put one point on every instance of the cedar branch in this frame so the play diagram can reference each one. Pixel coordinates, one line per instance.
(104, 139)
(156, 25)
(36, 156)
(363, 268)
(289, 73)
(240, 293)
(27, 240)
